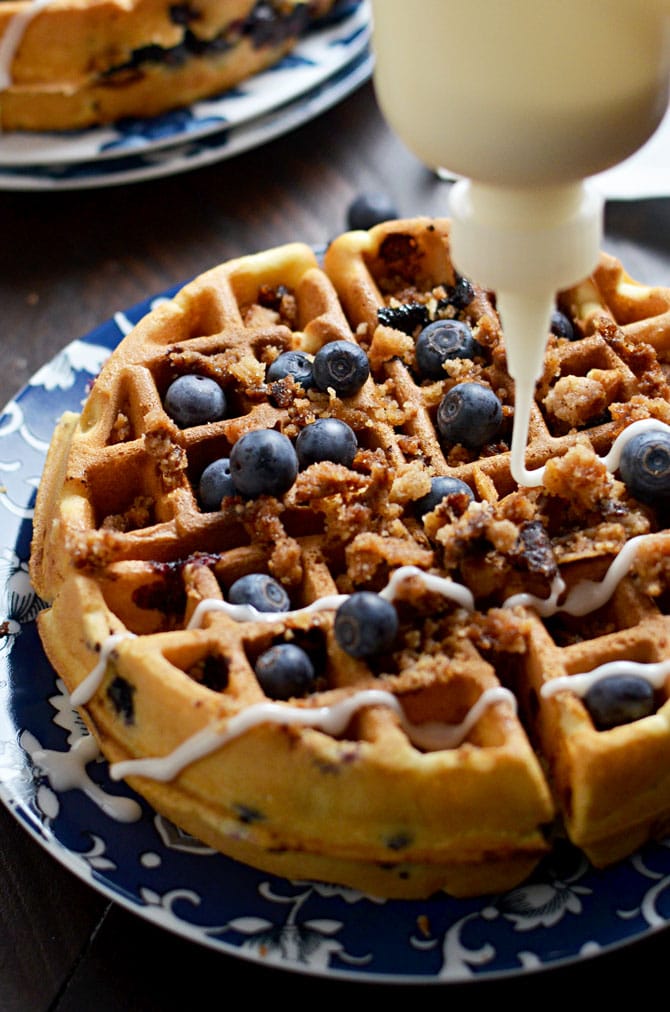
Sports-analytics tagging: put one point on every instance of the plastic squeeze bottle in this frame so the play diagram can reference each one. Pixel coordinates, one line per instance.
(524, 99)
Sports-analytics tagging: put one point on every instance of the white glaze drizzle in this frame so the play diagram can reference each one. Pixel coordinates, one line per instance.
(87, 689)
(437, 584)
(587, 595)
(247, 613)
(434, 735)
(543, 605)
(532, 479)
(332, 719)
(13, 36)
(654, 672)
(523, 402)
(66, 771)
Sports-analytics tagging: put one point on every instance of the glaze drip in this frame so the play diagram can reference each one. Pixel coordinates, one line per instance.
(333, 719)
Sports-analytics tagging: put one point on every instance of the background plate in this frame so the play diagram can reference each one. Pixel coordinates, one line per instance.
(206, 150)
(564, 913)
(319, 55)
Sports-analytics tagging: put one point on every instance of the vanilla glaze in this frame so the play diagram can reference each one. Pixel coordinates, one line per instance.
(655, 673)
(13, 36)
(87, 689)
(611, 460)
(66, 771)
(333, 719)
(247, 613)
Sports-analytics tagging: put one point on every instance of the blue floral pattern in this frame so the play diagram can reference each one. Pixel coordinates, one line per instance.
(109, 837)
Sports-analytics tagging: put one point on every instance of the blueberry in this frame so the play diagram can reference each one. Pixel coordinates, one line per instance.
(326, 439)
(195, 400)
(261, 591)
(440, 488)
(560, 325)
(121, 694)
(645, 465)
(341, 365)
(291, 363)
(366, 624)
(285, 671)
(215, 484)
(470, 414)
(369, 209)
(619, 699)
(263, 462)
(406, 317)
(460, 294)
(440, 341)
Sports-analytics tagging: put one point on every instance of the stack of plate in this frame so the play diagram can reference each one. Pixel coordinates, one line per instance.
(328, 64)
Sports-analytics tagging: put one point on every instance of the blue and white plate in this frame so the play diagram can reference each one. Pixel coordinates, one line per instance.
(111, 839)
(318, 57)
(194, 153)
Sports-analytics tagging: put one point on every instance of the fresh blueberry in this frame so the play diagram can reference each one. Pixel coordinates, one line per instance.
(215, 484)
(561, 326)
(619, 699)
(195, 400)
(369, 209)
(291, 363)
(263, 462)
(470, 414)
(366, 624)
(341, 365)
(285, 671)
(261, 591)
(645, 465)
(440, 488)
(440, 341)
(326, 439)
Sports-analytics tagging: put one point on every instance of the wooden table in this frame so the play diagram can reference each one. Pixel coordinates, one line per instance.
(68, 261)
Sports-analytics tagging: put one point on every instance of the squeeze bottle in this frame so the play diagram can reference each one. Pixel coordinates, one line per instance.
(523, 99)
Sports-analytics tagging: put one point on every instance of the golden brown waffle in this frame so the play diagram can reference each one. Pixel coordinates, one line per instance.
(84, 62)
(122, 546)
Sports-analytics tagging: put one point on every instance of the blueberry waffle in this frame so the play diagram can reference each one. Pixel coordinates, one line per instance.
(68, 64)
(305, 608)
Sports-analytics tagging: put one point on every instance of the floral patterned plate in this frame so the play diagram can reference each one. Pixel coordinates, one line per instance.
(55, 783)
(320, 54)
(132, 167)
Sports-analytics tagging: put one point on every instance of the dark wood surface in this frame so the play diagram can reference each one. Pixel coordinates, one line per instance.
(68, 261)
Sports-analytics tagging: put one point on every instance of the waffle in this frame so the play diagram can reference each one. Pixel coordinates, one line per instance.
(69, 64)
(441, 761)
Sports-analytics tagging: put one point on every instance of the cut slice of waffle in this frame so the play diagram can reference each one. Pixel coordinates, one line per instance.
(386, 801)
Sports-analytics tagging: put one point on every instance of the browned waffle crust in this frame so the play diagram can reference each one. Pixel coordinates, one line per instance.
(122, 545)
(84, 62)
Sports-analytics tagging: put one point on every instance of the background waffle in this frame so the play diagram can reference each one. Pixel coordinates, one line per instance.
(121, 545)
(84, 62)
